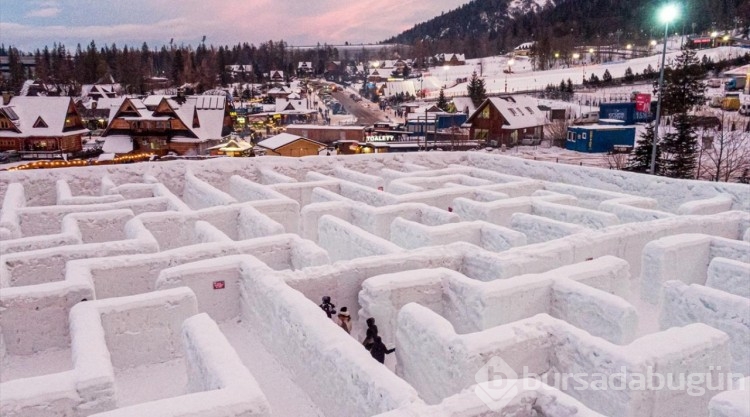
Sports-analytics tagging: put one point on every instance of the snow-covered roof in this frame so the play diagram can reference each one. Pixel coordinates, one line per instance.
(287, 105)
(39, 116)
(118, 144)
(275, 142)
(233, 145)
(519, 112)
(463, 103)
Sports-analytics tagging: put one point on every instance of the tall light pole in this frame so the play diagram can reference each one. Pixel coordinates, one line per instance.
(667, 14)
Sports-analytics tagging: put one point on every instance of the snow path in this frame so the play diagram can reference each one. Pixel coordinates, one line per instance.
(151, 382)
(284, 395)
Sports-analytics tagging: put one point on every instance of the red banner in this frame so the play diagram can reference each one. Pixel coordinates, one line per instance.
(643, 103)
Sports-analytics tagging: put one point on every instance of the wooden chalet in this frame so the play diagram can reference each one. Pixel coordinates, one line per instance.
(506, 121)
(41, 127)
(184, 125)
(286, 144)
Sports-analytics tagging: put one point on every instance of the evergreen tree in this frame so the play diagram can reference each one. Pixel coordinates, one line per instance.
(640, 159)
(680, 149)
(442, 103)
(683, 87)
(476, 89)
(629, 76)
(606, 77)
(569, 87)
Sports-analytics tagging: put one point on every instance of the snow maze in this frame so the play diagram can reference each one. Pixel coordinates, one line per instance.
(192, 289)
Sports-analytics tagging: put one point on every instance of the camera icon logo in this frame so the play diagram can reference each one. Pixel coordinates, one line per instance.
(497, 384)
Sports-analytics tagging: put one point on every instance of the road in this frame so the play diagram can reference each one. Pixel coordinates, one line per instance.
(365, 116)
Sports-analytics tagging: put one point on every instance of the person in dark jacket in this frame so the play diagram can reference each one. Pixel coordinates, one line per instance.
(329, 308)
(345, 320)
(371, 325)
(379, 350)
(370, 338)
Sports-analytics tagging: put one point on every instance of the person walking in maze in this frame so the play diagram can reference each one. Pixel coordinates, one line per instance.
(328, 307)
(345, 320)
(379, 350)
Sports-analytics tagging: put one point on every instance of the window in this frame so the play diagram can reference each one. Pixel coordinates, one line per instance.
(529, 110)
(513, 112)
(481, 134)
(485, 114)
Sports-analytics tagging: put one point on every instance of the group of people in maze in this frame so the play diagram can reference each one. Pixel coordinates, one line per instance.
(373, 343)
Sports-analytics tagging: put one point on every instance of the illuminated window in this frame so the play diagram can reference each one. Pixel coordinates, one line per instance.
(481, 134)
(485, 114)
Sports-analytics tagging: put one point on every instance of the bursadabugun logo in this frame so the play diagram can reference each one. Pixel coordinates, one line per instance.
(497, 384)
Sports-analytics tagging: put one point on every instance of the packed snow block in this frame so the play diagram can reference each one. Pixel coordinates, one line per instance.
(301, 192)
(419, 183)
(729, 275)
(367, 180)
(601, 314)
(108, 184)
(676, 353)
(98, 227)
(205, 232)
(378, 220)
(592, 219)
(670, 193)
(345, 241)
(219, 384)
(317, 350)
(144, 329)
(532, 399)
(215, 283)
(252, 224)
(48, 265)
(411, 235)
(285, 212)
(321, 195)
(245, 190)
(343, 280)
(65, 196)
(683, 304)
(35, 318)
(596, 286)
(174, 203)
(267, 176)
(367, 195)
(382, 296)
(439, 363)
(541, 229)
(24, 244)
(500, 211)
(10, 223)
(199, 194)
(732, 403)
(680, 257)
(44, 396)
(684, 257)
(630, 214)
(717, 204)
(310, 215)
(592, 198)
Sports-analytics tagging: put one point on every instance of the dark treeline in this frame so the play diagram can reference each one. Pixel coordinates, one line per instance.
(204, 66)
(483, 27)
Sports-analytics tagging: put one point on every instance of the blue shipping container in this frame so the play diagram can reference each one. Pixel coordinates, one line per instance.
(596, 138)
(623, 111)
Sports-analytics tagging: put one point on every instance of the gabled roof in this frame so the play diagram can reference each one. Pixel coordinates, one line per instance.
(464, 103)
(233, 145)
(53, 111)
(282, 139)
(287, 105)
(519, 112)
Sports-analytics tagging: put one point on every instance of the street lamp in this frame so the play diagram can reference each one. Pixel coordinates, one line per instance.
(667, 15)
(510, 64)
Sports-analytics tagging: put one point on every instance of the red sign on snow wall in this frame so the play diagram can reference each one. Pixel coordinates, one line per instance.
(643, 103)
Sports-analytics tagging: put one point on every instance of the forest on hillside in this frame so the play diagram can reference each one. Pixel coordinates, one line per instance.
(484, 27)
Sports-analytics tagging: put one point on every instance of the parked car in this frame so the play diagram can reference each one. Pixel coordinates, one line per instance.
(590, 117)
(714, 83)
(715, 101)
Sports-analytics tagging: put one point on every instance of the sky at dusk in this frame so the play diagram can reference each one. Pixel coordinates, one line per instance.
(31, 24)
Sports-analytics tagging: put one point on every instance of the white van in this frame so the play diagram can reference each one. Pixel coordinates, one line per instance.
(745, 109)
